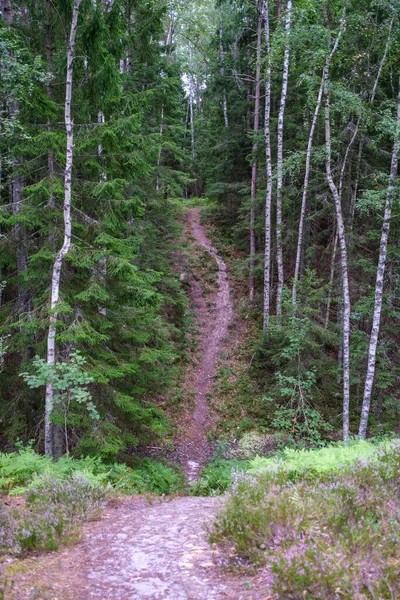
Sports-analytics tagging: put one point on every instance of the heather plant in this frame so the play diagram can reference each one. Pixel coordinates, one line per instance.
(333, 537)
(54, 509)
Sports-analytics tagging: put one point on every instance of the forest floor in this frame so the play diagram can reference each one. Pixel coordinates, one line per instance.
(146, 548)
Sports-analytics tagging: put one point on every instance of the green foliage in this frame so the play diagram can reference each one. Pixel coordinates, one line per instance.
(25, 470)
(67, 379)
(332, 535)
(217, 477)
(297, 464)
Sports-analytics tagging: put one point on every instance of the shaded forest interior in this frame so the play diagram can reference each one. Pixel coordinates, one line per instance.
(282, 121)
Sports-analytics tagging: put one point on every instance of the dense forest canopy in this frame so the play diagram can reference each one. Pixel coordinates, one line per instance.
(113, 115)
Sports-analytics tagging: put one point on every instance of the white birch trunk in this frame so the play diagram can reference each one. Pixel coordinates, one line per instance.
(308, 168)
(380, 274)
(279, 249)
(343, 262)
(59, 260)
(191, 115)
(268, 155)
(254, 165)
(222, 59)
(304, 196)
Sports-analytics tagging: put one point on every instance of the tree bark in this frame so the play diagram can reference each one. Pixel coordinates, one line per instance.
(222, 71)
(343, 261)
(268, 154)
(59, 260)
(279, 249)
(380, 274)
(254, 149)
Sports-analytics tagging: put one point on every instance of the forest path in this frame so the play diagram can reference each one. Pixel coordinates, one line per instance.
(193, 450)
(138, 551)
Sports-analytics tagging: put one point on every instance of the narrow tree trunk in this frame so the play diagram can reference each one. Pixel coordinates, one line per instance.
(222, 70)
(307, 171)
(254, 165)
(343, 262)
(279, 249)
(372, 99)
(191, 116)
(268, 154)
(331, 279)
(380, 274)
(304, 197)
(58, 263)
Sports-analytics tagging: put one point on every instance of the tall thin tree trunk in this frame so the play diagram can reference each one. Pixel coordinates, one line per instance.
(380, 274)
(307, 170)
(191, 116)
(304, 197)
(343, 262)
(268, 154)
(255, 148)
(279, 249)
(222, 70)
(59, 260)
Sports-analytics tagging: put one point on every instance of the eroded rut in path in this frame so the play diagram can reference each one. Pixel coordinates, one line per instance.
(193, 450)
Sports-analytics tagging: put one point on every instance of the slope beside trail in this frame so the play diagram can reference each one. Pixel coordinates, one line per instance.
(193, 450)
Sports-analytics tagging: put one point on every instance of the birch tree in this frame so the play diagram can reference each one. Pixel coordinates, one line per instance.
(380, 275)
(59, 260)
(343, 259)
(285, 77)
(268, 155)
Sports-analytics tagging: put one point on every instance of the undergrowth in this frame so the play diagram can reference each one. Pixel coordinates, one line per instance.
(24, 469)
(318, 533)
(54, 508)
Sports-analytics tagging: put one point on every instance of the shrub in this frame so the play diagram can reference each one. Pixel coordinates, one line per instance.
(54, 508)
(217, 477)
(337, 536)
(24, 469)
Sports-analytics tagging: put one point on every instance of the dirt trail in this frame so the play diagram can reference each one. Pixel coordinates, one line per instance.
(194, 449)
(136, 552)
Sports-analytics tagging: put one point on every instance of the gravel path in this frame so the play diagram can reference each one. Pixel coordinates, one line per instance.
(138, 551)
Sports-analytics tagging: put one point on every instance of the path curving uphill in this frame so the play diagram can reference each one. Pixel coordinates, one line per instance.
(193, 449)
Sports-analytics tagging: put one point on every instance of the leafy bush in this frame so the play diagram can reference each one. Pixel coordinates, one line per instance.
(333, 537)
(313, 462)
(25, 469)
(217, 477)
